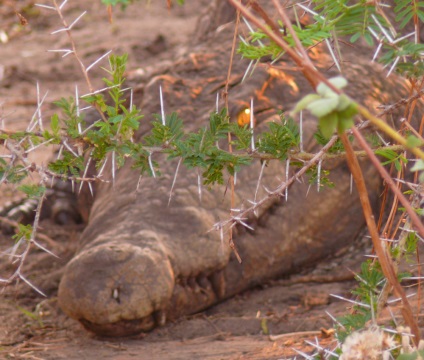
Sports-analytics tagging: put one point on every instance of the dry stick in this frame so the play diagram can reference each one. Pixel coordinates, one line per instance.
(385, 261)
(230, 148)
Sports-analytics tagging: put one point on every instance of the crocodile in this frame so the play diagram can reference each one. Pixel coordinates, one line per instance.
(144, 260)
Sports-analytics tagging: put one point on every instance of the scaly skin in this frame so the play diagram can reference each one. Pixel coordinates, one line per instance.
(142, 261)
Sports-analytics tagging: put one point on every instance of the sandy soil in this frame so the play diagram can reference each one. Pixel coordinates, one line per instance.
(33, 327)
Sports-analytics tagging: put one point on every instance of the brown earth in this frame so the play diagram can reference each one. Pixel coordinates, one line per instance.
(33, 327)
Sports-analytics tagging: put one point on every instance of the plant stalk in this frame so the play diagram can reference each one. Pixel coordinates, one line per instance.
(383, 256)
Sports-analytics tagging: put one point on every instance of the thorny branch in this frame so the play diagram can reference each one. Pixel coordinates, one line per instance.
(279, 191)
(18, 153)
(28, 244)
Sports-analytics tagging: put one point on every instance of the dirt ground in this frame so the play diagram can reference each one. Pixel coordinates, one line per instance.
(33, 327)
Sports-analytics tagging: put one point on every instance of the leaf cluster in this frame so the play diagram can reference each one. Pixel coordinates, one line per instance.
(334, 111)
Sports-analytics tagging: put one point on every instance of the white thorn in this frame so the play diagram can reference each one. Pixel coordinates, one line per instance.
(162, 110)
(247, 71)
(319, 175)
(217, 103)
(113, 168)
(383, 30)
(45, 7)
(99, 91)
(85, 172)
(286, 191)
(199, 185)
(77, 107)
(377, 51)
(174, 181)
(252, 31)
(70, 149)
(131, 99)
(333, 55)
(91, 189)
(252, 125)
(151, 165)
(393, 66)
(99, 59)
(76, 20)
(63, 4)
(102, 168)
(301, 130)
(257, 186)
(31, 285)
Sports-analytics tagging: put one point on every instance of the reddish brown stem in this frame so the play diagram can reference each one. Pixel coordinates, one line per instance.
(383, 257)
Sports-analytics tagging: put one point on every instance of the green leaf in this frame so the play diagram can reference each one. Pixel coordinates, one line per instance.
(32, 191)
(302, 104)
(323, 107)
(355, 37)
(349, 112)
(54, 123)
(325, 91)
(339, 82)
(417, 355)
(418, 166)
(344, 124)
(344, 102)
(328, 123)
(412, 141)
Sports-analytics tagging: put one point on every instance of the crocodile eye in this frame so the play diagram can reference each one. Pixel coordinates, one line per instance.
(243, 117)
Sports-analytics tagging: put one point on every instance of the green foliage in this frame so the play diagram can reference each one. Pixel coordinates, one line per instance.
(10, 173)
(334, 111)
(24, 232)
(416, 355)
(355, 20)
(321, 176)
(370, 281)
(32, 191)
(281, 137)
(392, 158)
(351, 322)
(405, 10)
(349, 19)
